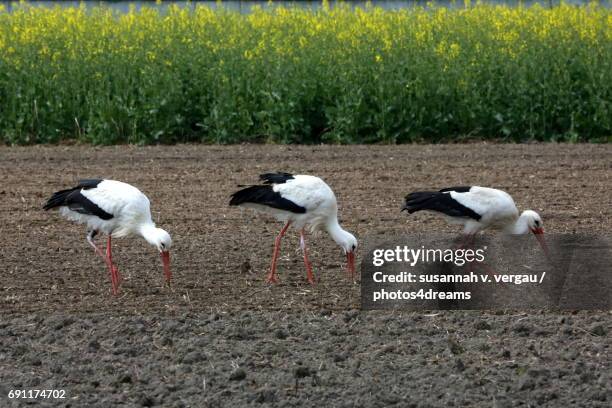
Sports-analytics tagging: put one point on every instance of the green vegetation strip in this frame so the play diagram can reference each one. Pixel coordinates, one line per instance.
(284, 75)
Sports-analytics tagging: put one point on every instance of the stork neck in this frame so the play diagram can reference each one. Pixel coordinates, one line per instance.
(521, 226)
(335, 230)
(148, 231)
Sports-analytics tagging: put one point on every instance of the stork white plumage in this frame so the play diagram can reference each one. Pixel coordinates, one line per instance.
(301, 200)
(478, 208)
(117, 209)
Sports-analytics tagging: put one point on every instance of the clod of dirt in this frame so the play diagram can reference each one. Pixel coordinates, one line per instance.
(350, 315)
(526, 383)
(542, 332)
(146, 401)
(93, 346)
(265, 395)
(20, 350)
(587, 377)
(484, 347)
(281, 334)
(63, 323)
(543, 397)
(598, 329)
(245, 267)
(455, 347)
(301, 372)
(389, 348)
(340, 357)
(522, 329)
(459, 365)
(535, 372)
(193, 357)
(565, 320)
(237, 375)
(241, 333)
(482, 325)
(124, 379)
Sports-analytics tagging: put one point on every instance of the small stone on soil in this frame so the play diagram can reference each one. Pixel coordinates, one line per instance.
(237, 375)
(281, 334)
(265, 395)
(193, 357)
(482, 325)
(522, 329)
(301, 372)
(455, 347)
(459, 365)
(598, 329)
(147, 401)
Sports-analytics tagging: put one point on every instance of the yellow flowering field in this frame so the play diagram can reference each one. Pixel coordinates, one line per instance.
(291, 75)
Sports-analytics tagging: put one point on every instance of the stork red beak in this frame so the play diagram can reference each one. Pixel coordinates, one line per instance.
(165, 256)
(350, 264)
(539, 234)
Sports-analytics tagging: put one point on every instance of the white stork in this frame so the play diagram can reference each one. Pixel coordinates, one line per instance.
(477, 208)
(303, 201)
(117, 209)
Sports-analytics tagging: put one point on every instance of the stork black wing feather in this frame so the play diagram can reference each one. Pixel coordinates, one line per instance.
(81, 204)
(441, 202)
(460, 189)
(275, 178)
(265, 195)
(73, 199)
(86, 184)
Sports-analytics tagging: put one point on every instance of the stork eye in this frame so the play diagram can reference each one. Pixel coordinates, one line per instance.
(163, 245)
(537, 223)
(354, 247)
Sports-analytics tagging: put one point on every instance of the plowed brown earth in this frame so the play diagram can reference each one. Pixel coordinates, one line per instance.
(179, 346)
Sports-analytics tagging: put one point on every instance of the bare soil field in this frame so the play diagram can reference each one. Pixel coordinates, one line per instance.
(220, 336)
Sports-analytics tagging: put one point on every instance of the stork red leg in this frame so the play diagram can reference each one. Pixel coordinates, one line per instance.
(277, 242)
(488, 270)
(114, 272)
(90, 239)
(309, 274)
(467, 242)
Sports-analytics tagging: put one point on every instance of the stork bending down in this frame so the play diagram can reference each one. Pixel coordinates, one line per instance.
(302, 201)
(117, 209)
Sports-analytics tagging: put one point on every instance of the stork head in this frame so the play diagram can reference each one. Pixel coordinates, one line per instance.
(535, 225)
(534, 221)
(160, 239)
(347, 242)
